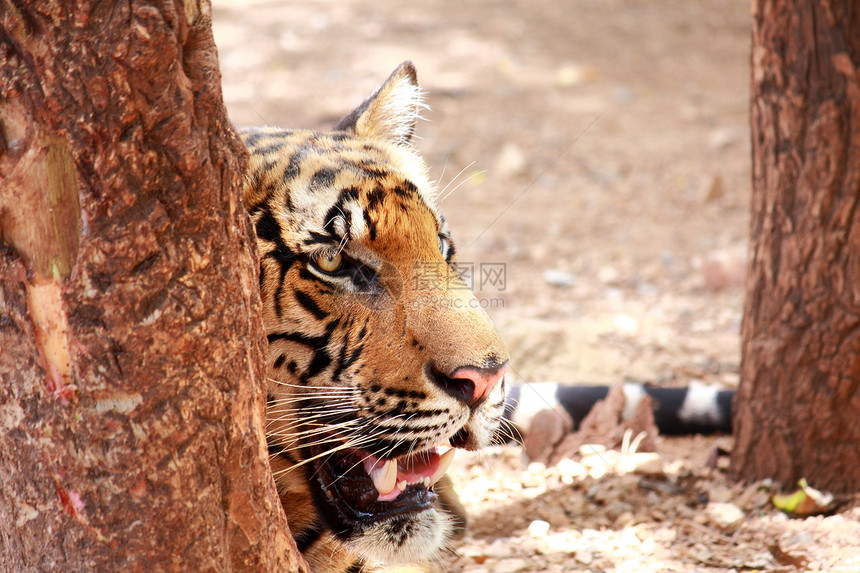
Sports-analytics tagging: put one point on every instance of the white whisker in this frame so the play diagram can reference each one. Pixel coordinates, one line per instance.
(461, 183)
(443, 195)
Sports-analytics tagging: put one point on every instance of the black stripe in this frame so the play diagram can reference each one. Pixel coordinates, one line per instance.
(341, 359)
(512, 398)
(452, 250)
(320, 239)
(411, 428)
(259, 206)
(262, 172)
(320, 362)
(322, 178)
(319, 344)
(310, 305)
(578, 400)
(307, 275)
(406, 189)
(375, 198)
(293, 168)
(371, 226)
(356, 352)
(308, 536)
(270, 148)
(724, 405)
(279, 292)
(417, 414)
(268, 228)
(312, 341)
(357, 567)
(262, 275)
(370, 171)
(251, 138)
(338, 210)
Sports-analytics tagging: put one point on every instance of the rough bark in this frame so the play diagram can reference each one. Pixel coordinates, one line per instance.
(131, 409)
(797, 409)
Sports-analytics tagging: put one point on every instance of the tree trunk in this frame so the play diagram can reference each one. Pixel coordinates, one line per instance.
(131, 409)
(797, 408)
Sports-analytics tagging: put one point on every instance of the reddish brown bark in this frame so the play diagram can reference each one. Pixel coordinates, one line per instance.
(797, 409)
(131, 410)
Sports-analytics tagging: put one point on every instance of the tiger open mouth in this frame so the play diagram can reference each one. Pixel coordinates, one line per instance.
(362, 489)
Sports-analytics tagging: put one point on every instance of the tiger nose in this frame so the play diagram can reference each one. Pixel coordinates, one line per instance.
(475, 384)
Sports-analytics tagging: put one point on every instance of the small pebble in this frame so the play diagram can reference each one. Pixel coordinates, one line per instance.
(510, 161)
(538, 528)
(725, 514)
(559, 278)
(510, 565)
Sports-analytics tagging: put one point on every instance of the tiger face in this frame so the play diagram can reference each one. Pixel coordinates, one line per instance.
(381, 360)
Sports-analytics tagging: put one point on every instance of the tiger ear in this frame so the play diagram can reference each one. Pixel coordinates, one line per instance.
(391, 112)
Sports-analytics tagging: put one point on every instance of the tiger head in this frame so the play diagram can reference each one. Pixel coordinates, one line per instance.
(380, 359)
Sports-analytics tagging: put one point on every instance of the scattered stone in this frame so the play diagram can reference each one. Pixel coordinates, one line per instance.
(510, 565)
(715, 189)
(559, 278)
(721, 138)
(608, 275)
(725, 269)
(405, 569)
(538, 528)
(725, 515)
(510, 161)
(630, 537)
(625, 519)
(575, 75)
(643, 463)
(571, 470)
(547, 429)
(584, 556)
(625, 323)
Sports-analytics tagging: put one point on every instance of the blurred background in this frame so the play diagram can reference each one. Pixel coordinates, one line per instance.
(598, 150)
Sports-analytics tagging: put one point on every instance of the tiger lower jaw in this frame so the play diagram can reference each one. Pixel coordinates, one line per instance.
(383, 510)
(402, 540)
(418, 536)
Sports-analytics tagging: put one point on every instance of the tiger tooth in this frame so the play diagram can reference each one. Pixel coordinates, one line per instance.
(384, 477)
(444, 463)
(401, 485)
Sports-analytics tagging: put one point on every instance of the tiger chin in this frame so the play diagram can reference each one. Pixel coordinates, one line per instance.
(381, 361)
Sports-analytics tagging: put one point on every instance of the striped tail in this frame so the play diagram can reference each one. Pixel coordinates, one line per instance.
(695, 409)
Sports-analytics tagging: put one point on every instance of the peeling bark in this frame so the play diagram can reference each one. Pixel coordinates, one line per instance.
(131, 396)
(796, 411)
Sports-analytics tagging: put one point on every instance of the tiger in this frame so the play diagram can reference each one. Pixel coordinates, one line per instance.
(381, 362)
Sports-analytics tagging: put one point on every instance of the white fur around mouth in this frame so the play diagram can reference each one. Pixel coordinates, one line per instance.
(392, 477)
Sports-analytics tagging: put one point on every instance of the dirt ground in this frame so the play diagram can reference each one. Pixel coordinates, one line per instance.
(597, 152)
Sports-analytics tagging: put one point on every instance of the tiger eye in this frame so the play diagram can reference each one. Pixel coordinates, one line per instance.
(329, 262)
